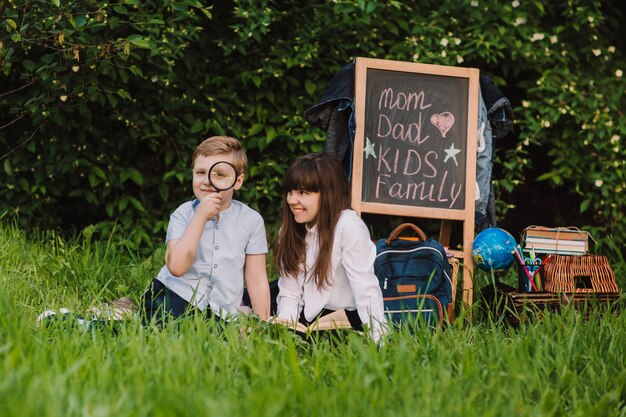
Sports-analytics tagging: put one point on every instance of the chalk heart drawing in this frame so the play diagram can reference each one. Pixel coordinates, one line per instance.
(443, 121)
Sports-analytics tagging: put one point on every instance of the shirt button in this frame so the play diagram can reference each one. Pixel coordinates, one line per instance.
(217, 247)
(215, 266)
(217, 228)
(210, 284)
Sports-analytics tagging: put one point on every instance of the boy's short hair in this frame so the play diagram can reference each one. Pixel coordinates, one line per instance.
(221, 145)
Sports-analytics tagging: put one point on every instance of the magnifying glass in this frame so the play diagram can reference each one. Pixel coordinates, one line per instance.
(222, 176)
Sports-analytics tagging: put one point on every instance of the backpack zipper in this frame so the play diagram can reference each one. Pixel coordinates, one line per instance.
(415, 250)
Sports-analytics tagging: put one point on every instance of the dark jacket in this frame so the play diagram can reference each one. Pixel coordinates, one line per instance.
(335, 115)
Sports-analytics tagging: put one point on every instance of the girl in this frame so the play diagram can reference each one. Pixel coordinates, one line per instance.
(324, 252)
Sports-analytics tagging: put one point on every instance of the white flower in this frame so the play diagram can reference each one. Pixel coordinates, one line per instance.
(443, 54)
(525, 103)
(611, 49)
(444, 42)
(537, 37)
(545, 123)
(519, 21)
(614, 139)
(599, 183)
(619, 73)
(515, 3)
(459, 59)
(553, 39)
(457, 41)
(63, 98)
(154, 78)
(596, 52)
(75, 68)
(474, 3)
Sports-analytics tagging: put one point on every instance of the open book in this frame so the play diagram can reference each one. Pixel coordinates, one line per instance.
(335, 320)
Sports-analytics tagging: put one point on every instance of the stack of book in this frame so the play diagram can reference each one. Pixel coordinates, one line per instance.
(557, 240)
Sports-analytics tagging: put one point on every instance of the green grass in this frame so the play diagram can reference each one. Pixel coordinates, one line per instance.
(563, 365)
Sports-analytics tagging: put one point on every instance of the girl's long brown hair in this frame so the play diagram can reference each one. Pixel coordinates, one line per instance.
(321, 173)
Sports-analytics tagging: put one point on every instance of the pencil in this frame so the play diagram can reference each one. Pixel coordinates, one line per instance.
(521, 261)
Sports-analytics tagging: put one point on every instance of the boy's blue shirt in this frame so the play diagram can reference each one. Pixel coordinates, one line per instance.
(216, 278)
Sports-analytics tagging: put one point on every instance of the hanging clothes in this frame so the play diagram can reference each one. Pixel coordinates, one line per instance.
(335, 115)
(500, 119)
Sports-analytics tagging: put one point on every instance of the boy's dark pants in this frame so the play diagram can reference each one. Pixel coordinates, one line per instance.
(159, 304)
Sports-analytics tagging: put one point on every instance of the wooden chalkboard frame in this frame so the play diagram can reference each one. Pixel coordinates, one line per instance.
(446, 215)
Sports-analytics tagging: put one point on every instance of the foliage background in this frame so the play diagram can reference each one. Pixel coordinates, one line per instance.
(101, 104)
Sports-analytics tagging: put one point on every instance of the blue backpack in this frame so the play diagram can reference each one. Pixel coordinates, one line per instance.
(414, 276)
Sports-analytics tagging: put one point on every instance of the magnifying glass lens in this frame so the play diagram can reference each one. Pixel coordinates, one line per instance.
(222, 176)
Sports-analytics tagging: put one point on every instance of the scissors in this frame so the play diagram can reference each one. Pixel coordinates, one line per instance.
(537, 265)
(532, 266)
(532, 262)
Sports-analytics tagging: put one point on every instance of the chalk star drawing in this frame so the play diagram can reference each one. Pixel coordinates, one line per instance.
(369, 148)
(451, 152)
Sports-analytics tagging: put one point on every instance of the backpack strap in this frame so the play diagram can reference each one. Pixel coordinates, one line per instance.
(396, 232)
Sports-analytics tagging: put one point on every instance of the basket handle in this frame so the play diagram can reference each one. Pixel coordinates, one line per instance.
(396, 232)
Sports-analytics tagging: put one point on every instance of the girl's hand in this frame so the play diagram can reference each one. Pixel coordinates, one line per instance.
(210, 205)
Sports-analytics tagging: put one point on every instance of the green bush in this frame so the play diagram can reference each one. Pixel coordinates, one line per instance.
(101, 104)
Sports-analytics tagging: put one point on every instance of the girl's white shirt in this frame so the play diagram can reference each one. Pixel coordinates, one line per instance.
(353, 284)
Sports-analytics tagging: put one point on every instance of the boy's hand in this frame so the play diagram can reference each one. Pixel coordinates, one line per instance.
(210, 205)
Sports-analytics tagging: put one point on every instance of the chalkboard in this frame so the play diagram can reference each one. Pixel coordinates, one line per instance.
(415, 146)
(413, 135)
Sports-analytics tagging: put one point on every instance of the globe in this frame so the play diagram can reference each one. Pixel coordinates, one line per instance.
(492, 249)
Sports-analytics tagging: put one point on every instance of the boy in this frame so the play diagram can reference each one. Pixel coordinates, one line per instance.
(213, 243)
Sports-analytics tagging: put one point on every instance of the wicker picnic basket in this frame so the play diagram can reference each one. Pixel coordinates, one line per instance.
(579, 274)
